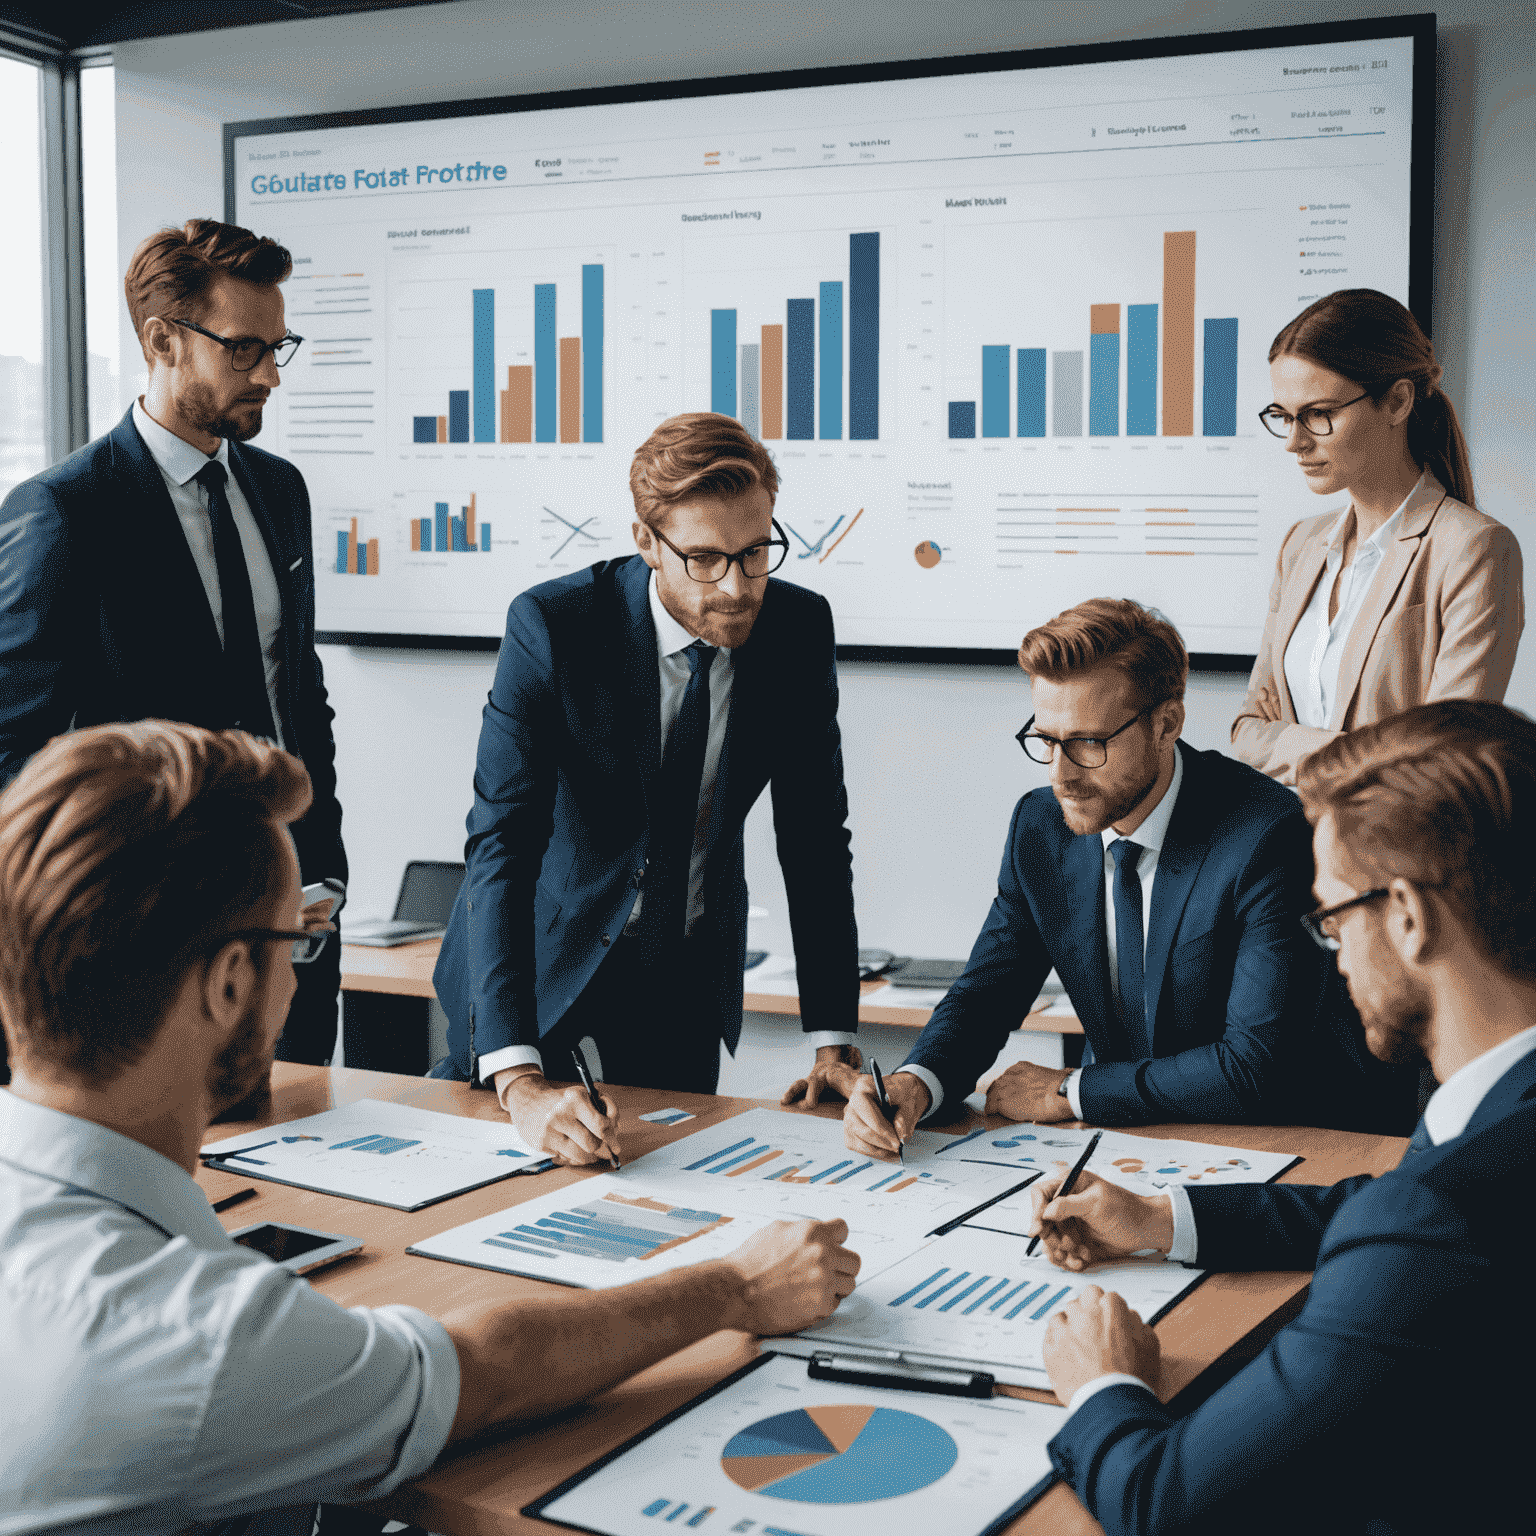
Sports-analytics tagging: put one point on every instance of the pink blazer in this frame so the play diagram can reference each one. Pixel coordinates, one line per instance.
(1441, 620)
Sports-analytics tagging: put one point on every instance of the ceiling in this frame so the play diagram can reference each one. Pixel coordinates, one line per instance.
(93, 24)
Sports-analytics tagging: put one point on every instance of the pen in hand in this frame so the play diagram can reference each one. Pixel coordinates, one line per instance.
(885, 1107)
(584, 1072)
(1067, 1186)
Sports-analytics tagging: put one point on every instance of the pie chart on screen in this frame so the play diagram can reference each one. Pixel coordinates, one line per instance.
(846, 1454)
(928, 554)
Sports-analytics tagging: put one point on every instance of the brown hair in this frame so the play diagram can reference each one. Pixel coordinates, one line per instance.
(700, 453)
(1372, 340)
(125, 851)
(173, 268)
(1111, 632)
(1438, 795)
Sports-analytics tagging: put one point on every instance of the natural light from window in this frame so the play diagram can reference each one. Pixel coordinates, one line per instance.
(23, 448)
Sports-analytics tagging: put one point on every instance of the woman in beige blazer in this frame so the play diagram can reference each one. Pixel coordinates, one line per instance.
(1407, 594)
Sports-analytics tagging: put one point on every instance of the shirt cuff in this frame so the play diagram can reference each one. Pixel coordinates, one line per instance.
(509, 1056)
(1099, 1383)
(1074, 1089)
(1186, 1241)
(821, 1037)
(924, 1076)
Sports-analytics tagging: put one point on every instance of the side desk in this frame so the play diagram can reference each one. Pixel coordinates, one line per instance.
(478, 1492)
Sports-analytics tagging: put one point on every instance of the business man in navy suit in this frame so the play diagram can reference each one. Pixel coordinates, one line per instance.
(639, 709)
(1163, 884)
(165, 570)
(1395, 1402)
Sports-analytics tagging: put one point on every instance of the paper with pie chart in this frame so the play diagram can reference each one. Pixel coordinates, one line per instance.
(774, 1453)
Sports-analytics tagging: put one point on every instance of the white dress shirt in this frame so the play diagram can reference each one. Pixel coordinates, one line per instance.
(1316, 647)
(159, 1376)
(179, 463)
(672, 640)
(1450, 1108)
(1150, 836)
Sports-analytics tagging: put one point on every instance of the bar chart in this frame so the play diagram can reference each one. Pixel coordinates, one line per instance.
(445, 534)
(613, 1229)
(356, 556)
(754, 1158)
(1085, 383)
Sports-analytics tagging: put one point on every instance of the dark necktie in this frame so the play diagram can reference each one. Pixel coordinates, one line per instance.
(245, 669)
(675, 810)
(1129, 944)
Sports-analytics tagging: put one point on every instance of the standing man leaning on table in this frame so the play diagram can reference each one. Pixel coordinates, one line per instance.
(1393, 1404)
(640, 708)
(158, 1376)
(1164, 885)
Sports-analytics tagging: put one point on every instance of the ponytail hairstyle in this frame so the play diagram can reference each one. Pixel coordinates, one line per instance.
(1374, 341)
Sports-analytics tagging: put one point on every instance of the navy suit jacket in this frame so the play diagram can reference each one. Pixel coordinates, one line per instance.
(570, 747)
(103, 615)
(1392, 1404)
(1241, 1004)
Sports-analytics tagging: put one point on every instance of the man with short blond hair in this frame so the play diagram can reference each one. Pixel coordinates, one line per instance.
(640, 708)
(160, 1378)
(1164, 886)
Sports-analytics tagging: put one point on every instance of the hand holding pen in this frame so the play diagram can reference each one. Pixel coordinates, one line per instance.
(1068, 1184)
(885, 1106)
(584, 1072)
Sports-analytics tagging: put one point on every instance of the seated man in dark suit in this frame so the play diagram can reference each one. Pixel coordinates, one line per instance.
(640, 708)
(1392, 1403)
(1163, 884)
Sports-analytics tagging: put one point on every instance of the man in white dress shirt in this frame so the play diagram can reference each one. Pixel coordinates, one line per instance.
(157, 1376)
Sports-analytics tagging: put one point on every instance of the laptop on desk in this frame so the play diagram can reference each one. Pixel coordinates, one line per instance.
(428, 890)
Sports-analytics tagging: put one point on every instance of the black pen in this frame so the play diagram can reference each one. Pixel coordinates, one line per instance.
(220, 1206)
(1067, 1186)
(584, 1072)
(885, 1107)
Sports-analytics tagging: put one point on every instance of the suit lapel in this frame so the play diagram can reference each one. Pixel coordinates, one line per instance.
(636, 641)
(1083, 880)
(1518, 1084)
(1299, 587)
(1395, 563)
(1178, 865)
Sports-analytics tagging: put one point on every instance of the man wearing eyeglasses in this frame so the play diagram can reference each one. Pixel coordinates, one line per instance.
(1165, 887)
(640, 708)
(166, 569)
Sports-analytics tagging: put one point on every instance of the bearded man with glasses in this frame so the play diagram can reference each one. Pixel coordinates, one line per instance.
(1165, 887)
(166, 569)
(640, 708)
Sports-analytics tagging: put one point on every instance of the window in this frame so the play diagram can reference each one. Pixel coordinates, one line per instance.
(103, 273)
(23, 443)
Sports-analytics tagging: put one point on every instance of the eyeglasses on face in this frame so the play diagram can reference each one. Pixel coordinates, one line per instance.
(246, 352)
(1314, 420)
(1085, 751)
(1323, 925)
(710, 565)
(307, 943)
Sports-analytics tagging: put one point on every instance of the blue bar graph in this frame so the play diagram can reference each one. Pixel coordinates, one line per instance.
(959, 1296)
(1046, 1305)
(981, 1301)
(458, 541)
(864, 337)
(1219, 414)
(800, 369)
(442, 525)
(424, 429)
(908, 1295)
(722, 361)
(1009, 1316)
(374, 1142)
(458, 415)
(735, 1146)
(341, 554)
(962, 418)
(485, 365)
(1003, 1301)
(1141, 371)
(1104, 370)
(994, 391)
(485, 537)
(426, 534)
(831, 361)
(592, 353)
(545, 352)
(1031, 391)
(655, 1507)
(851, 1172)
(889, 1179)
(817, 1178)
(610, 1230)
(933, 1296)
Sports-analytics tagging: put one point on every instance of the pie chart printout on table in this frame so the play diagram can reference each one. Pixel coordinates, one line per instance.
(848, 1453)
(928, 554)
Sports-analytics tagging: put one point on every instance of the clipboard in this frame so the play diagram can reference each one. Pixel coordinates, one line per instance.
(777, 1449)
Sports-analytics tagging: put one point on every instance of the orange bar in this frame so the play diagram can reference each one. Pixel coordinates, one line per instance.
(352, 565)
(767, 1157)
(416, 535)
(892, 1188)
(442, 429)
(1179, 334)
(471, 537)
(1104, 319)
(517, 406)
(570, 389)
(773, 381)
(373, 557)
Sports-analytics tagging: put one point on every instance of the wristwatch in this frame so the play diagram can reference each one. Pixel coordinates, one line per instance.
(1061, 1087)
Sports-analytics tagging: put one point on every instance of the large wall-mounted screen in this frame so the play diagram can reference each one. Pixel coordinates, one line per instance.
(1001, 321)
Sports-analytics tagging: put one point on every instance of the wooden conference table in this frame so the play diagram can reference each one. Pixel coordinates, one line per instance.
(478, 1492)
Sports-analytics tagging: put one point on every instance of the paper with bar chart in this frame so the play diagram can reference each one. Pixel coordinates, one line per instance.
(381, 1153)
(775, 1453)
(1006, 339)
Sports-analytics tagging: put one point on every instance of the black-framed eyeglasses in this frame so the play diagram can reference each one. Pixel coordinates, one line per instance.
(1085, 751)
(246, 352)
(710, 565)
(1321, 924)
(1314, 420)
(307, 943)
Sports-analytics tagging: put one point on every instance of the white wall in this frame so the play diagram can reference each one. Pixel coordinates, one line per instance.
(932, 769)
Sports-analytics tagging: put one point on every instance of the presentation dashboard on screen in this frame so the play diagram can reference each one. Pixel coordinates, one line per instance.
(1003, 330)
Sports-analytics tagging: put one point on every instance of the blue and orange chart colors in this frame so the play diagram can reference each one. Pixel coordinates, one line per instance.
(613, 1229)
